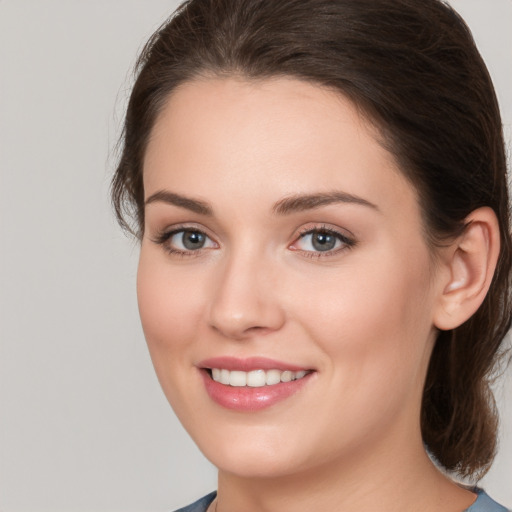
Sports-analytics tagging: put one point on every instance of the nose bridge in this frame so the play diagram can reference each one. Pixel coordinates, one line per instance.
(244, 300)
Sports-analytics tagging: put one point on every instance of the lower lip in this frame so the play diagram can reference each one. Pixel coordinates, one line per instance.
(251, 399)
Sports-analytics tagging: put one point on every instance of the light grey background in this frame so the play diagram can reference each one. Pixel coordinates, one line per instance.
(83, 423)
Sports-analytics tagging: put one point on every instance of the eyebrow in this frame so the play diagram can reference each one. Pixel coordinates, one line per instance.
(303, 202)
(285, 206)
(188, 203)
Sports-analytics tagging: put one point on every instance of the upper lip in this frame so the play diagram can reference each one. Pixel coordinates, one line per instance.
(248, 364)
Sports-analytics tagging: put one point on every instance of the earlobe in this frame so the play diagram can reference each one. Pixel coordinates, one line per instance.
(471, 260)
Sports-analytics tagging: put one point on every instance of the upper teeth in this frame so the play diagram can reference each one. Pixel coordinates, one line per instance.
(255, 378)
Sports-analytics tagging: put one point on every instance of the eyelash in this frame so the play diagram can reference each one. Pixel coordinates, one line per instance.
(347, 243)
(163, 237)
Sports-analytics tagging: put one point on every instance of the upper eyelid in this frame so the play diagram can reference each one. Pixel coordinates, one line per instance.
(341, 236)
(173, 229)
(343, 232)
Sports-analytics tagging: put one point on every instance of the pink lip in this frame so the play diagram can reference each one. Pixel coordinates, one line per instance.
(248, 364)
(246, 398)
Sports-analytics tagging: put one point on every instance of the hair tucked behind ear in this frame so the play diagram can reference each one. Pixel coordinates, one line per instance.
(413, 68)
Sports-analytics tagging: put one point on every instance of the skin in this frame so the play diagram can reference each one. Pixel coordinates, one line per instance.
(362, 316)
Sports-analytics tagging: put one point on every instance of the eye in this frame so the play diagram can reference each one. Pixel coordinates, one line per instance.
(324, 240)
(185, 241)
(188, 240)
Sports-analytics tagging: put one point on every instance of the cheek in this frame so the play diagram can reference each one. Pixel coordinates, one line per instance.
(374, 328)
(373, 316)
(170, 307)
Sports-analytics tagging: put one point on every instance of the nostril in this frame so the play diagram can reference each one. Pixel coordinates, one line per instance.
(258, 328)
(241, 332)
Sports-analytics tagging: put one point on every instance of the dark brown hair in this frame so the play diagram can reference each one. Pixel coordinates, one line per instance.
(412, 67)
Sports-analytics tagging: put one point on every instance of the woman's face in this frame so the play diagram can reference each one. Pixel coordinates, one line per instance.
(282, 242)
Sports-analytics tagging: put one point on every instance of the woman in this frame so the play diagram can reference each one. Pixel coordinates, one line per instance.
(320, 191)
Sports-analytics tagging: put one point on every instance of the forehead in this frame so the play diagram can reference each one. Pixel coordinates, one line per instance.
(241, 107)
(270, 137)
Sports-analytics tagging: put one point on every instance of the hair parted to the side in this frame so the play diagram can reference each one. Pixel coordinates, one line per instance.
(412, 68)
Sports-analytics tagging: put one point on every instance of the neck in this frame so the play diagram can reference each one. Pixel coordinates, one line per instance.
(393, 482)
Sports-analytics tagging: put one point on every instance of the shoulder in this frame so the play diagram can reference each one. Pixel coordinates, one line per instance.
(484, 503)
(201, 505)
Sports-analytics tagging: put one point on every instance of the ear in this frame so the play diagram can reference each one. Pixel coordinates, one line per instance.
(469, 263)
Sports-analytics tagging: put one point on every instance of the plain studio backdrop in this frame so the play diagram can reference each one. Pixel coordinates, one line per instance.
(83, 423)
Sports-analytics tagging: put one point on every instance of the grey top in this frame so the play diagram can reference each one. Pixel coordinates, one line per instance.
(482, 504)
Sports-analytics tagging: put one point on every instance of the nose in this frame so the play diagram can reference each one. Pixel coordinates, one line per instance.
(245, 298)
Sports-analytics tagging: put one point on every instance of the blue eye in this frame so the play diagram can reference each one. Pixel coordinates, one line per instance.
(185, 241)
(188, 240)
(322, 241)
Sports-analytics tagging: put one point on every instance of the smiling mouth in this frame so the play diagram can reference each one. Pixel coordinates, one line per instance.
(252, 384)
(255, 378)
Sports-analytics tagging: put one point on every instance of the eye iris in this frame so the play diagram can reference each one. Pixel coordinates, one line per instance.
(193, 240)
(323, 241)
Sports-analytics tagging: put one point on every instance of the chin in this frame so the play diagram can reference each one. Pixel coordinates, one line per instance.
(255, 466)
(261, 458)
